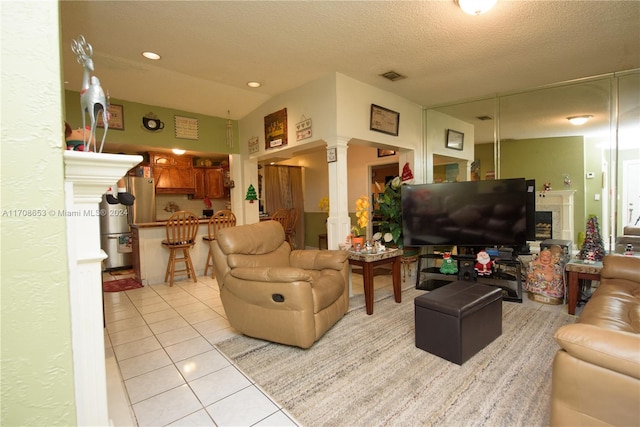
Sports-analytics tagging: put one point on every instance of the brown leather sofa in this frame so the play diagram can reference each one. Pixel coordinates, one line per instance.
(596, 373)
(630, 235)
(277, 294)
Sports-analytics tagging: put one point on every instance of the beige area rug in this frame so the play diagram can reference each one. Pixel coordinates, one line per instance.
(366, 371)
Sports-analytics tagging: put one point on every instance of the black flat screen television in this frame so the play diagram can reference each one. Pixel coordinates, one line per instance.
(473, 213)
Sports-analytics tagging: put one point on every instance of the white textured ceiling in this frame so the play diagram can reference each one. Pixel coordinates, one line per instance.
(211, 49)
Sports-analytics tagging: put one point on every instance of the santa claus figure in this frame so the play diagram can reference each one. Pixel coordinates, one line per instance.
(483, 264)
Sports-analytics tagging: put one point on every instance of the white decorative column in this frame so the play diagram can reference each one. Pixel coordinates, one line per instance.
(87, 177)
(338, 223)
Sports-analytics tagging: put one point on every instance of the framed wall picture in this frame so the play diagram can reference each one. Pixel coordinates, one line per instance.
(332, 155)
(116, 117)
(455, 139)
(186, 127)
(384, 120)
(384, 153)
(275, 129)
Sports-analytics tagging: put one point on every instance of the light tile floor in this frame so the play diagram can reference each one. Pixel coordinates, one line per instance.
(162, 340)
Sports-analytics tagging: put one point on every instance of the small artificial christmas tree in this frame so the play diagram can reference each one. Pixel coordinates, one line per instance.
(251, 194)
(592, 247)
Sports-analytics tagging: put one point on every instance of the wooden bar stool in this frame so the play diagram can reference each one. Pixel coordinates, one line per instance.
(181, 228)
(290, 229)
(221, 219)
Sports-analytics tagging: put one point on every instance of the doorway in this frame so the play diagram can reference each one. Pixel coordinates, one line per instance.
(630, 193)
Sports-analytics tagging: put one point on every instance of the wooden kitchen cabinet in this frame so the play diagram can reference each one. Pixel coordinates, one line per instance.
(209, 182)
(173, 174)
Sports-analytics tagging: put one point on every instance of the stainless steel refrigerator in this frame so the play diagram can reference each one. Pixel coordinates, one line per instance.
(115, 235)
(144, 206)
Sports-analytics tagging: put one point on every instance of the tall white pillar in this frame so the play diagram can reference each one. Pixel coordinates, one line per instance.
(87, 177)
(338, 223)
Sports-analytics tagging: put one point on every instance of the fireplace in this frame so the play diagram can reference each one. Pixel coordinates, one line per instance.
(560, 204)
(544, 225)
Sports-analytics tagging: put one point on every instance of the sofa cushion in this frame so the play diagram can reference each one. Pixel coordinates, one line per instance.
(615, 307)
(617, 351)
(279, 257)
(259, 238)
(631, 231)
(318, 260)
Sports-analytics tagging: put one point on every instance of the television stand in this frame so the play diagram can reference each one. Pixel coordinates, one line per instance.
(507, 275)
(511, 284)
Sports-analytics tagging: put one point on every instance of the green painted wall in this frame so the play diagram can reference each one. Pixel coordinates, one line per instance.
(212, 131)
(484, 153)
(37, 379)
(593, 163)
(548, 160)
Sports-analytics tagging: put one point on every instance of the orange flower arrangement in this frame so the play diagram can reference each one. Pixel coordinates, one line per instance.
(362, 216)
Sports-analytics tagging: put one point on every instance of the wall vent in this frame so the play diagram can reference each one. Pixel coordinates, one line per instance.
(393, 76)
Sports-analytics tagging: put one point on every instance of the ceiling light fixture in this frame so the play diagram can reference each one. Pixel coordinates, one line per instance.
(254, 84)
(178, 151)
(151, 55)
(476, 7)
(579, 120)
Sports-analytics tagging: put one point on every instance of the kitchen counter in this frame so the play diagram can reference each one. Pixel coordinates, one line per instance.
(203, 220)
(150, 264)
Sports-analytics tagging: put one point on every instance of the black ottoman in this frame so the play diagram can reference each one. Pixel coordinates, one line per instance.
(458, 320)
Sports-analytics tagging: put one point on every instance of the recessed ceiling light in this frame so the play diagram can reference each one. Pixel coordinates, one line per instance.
(254, 84)
(476, 7)
(178, 151)
(579, 120)
(151, 55)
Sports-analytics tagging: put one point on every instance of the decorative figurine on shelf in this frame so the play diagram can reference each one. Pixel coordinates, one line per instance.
(546, 186)
(120, 194)
(544, 276)
(92, 97)
(448, 264)
(592, 243)
(629, 250)
(566, 180)
(590, 258)
(483, 264)
(251, 194)
(77, 139)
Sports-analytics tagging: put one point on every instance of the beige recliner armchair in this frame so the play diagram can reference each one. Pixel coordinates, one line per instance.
(277, 294)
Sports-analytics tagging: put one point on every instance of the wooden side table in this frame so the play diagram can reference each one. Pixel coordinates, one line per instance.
(323, 238)
(579, 270)
(368, 262)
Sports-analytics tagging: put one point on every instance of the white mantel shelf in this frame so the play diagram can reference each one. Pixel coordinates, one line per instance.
(88, 176)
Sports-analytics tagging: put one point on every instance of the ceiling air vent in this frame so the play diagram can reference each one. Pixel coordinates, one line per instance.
(393, 76)
(483, 118)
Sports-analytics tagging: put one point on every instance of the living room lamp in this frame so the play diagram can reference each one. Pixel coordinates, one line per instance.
(579, 120)
(476, 7)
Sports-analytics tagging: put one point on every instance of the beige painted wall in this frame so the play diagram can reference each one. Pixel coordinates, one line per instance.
(37, 372)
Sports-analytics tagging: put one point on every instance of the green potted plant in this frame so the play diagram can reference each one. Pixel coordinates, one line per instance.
(389, 211)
